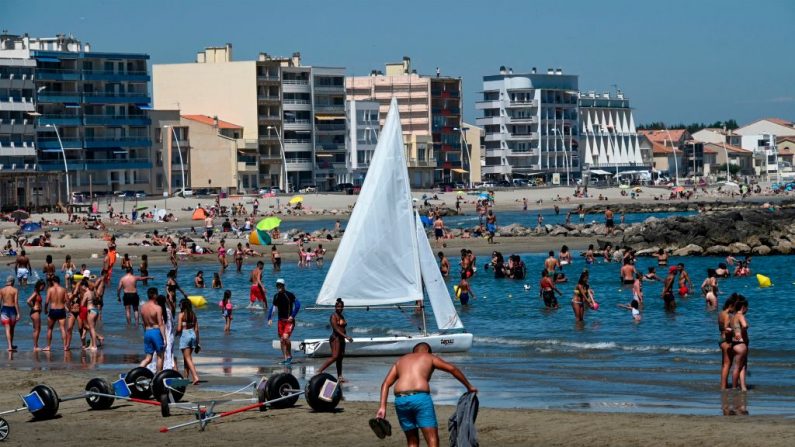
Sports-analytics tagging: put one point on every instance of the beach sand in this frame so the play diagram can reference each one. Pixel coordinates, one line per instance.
(136, 424)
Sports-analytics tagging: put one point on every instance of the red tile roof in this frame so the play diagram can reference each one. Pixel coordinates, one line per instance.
(780, 122)
(204, 119)
(661, 136)
(659, 149)
(785, 138)
(729, 148)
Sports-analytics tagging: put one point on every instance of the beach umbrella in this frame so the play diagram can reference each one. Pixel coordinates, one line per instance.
(19, 214)
(296, 199)
(161, 213)
(679, 189)
(258, 237)
(199, 214)
(31, 227)
(460, 193)
(269, 223)
(141, 208)
(483, 195)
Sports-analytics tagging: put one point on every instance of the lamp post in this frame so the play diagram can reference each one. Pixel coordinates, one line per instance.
(283, 180)
(179, 150)
(65, 166)
(463, 131)
(726, 154)
(676, 164)
(566, 162)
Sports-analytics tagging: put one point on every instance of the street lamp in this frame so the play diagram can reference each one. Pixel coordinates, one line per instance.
(726, 154)
(566, 162)
(463, 131)
(179, 150)
(676, 165)
(65, 166)
(283, 180)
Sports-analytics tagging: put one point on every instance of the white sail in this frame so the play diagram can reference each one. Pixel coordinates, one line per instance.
(377, 261)
(441, 303)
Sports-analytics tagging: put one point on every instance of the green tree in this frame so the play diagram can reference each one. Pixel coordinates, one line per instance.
(733, 169)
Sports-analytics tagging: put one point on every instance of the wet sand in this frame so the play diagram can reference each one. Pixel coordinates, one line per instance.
(136, 424)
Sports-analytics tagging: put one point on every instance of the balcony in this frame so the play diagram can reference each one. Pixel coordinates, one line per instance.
(269, 118)
(23, 150)
(57, 97)
(52, 143)
(116, 120)
(295, 82)
(268, 137)
(522, 119)
(268, 77)
(330, 127)
(270, 98)
(115, 76)
(523, 136)
(115, 98)
(16, 126)
(297, 124)
(295, 86)
(130, 163)
(299, 164)
(330, 146)
(497, 152)
(490, 120)
(247, 166)
(330, 108)
(500, 169)
(60, 120)
(522, 103)
(57, 75)
(490, 104)
(57, 165)
(413, 163)
(496, 136)
(294, 145)
(100, 142)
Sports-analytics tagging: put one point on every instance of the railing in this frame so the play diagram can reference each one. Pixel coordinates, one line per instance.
(268, 97)
(269, 118)
(52, 143)
(141, 120)
(296, 141)
(114, 94)
(296, 121)
(267, 77)
(296, 101)
(330, 126)
(295, 81)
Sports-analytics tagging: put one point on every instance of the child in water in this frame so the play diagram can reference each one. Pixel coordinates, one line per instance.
(226, 311)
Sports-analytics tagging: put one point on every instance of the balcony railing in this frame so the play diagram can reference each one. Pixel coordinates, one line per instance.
(68, 143)
(268, 97)
(109, 75)
(60, 120)
(330, 127)
(295, 81)
(57, 75)
(117, 120)
(97, 142)
(296, 101)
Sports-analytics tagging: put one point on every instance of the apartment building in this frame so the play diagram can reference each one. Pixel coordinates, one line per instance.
(608, 136)
(430, 115)
(295, 112)
(170, 152)
(90, 109)
(531, 125)
(361, 139)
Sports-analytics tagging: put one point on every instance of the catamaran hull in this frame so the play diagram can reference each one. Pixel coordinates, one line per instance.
(388, 346)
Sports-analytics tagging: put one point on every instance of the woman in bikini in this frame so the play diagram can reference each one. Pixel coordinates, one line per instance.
(144, 268)
(198, 281)
(90, 302)
(188, 332)
(217, 284)
(68, 269)
(662, 257)
(589, 256)
(710, 289)
(582, 295)
(337, 339)
(239, 254)
(276, 259)
(725, 339)
(48, 269)
(564, 258)
(740, 343)
(35, 311)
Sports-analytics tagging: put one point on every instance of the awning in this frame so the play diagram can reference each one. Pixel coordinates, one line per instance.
(599, 172)
(145, 106)
(459, 171)
(323, 117)
(48, 59)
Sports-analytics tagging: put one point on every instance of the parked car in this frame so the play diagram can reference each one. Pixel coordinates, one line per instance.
(140, 195)
(504, 184)
(343, 186)
(184, 193)
(460, 185)
(485, 185)
(519, 182)
(307, 189)
(125, 194)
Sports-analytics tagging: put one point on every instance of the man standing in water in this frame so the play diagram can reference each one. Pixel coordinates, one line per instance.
(154, 330)
(551, 263)
(609, 224)
(287, 307)
(668, 289)
(128, 283)
(257, 290)
(438, 230)
(55, 307)
(411, 375)
(22, 268)
(444, 264)
(491, 225)
(628, 272)
(9, 313)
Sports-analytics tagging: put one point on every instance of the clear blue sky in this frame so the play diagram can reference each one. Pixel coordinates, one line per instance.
(677, 60)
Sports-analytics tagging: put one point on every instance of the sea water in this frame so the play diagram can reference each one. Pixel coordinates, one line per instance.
(523, 354)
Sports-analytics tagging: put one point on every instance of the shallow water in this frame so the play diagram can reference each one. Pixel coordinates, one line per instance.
(523, 355)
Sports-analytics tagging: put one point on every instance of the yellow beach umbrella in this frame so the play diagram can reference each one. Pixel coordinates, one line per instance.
(296, 199)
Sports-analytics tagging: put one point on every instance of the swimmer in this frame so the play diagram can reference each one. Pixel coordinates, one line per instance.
(565, 256)
(198, 281)
(628, 272)
(464, 291)
(9, 313)
(685, 285)
(651, 275)
(548, 291)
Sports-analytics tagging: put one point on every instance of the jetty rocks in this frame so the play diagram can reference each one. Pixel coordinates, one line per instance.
(757, 231)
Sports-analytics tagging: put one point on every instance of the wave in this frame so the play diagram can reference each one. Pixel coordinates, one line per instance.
(551, 344)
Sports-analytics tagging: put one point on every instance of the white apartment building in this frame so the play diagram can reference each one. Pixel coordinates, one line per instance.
(531, 124)
(360, 139)
(765, 153)
(608, 137)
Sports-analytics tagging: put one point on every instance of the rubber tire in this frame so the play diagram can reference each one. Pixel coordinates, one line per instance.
(159, 388)
(262, 394)
(141, 391)
(275, 387)
(165, 408)
(99, 402)
(313, 388)
(51, 402)
(5, 429)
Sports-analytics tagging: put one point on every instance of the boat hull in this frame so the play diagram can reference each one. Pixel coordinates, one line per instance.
(387, 346)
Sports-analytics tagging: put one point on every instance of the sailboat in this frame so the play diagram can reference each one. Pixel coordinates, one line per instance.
(385, 260)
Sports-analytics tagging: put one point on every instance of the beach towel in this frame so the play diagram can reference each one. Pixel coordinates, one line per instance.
(461, 424)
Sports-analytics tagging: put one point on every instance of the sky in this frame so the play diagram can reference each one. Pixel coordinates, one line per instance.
(676, 60)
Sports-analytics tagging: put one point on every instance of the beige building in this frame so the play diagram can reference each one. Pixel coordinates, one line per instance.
(772, 126)
(169, 165)
(473, 151)
(715, 159)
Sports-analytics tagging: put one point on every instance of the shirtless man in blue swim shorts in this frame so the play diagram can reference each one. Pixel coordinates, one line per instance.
(411, 375)
(155, 330)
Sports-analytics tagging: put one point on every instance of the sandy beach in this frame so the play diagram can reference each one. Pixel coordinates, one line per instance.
(128, 423)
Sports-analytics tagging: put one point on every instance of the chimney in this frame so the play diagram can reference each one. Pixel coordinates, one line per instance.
(550, 71)
(201, 57)
(228, 48)
(533, 71)
(296, 59)
(502, 70)
(215, 121)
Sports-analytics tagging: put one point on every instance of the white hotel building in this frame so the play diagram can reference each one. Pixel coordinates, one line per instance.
(541, 125)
